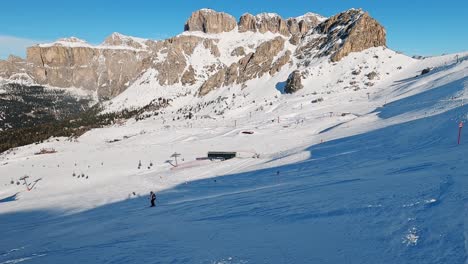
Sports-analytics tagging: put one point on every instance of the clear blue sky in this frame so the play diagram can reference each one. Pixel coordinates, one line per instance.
(425, 27)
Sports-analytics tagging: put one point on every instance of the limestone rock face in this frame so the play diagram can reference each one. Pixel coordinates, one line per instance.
(268, 22)
(211, 45)
(11, 66)
(366, 33)
(272, 23)
(350, 31)
(257, 64)
(188, 78)
(295, 39)
(106, 71)
(247, 22)
(210, 21)
(174, 51)
(309, 21)
(303, 27)
(359, 32)
(112, 66)
(283, 60)
(239, 51)
(293, 26)
(294, 82)
(213, 82)
(252, 65)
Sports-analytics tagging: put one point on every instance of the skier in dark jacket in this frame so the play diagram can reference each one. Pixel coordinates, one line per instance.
(153, 199)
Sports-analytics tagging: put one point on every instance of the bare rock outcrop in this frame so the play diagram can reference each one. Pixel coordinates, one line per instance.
(278, 64)
(175, 51)
(12, 65)
(308, 22)
(247, 22)
(293, 26)
(211, 45)
(107, 71)
(350, 31)
(257, 64)
(263, 23)
(239, 51)
(359, 32)
(294, 82)
(213, 82)
(251, 66)
(188, 78)
(111, 67)
(210, 21)
(267, 22)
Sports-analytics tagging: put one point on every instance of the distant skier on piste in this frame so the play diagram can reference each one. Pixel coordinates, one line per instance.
(153, 199)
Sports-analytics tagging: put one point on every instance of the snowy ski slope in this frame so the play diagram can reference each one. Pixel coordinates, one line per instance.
(357, 178)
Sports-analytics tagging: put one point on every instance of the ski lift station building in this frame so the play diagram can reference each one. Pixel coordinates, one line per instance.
(223, 155)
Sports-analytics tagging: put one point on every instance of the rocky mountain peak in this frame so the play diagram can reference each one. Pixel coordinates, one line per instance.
(311, 17)
(272, 22)
(117, 39)
(352, 31)
(67, 42)
(71, 40)
(264, 22)
(262, 17)
(13, 59)
(210, 21)
(309, 21)
(247, 22)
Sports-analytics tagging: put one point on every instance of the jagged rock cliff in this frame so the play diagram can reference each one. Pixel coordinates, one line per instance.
(350, 31)
(253, 65)
(214, 51)
(209, 21)
(360, 32)
(269, 22)
(105, 70)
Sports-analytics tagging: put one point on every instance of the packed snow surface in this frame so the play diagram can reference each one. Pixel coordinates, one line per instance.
(363, 176)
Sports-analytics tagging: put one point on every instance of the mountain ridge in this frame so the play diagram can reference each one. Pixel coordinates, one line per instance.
(111, 67)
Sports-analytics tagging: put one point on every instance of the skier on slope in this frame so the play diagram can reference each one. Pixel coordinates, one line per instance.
(153, 199)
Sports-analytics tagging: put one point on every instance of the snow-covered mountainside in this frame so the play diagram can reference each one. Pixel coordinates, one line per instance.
(345, 153)
(357, 177)
(214, 51)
